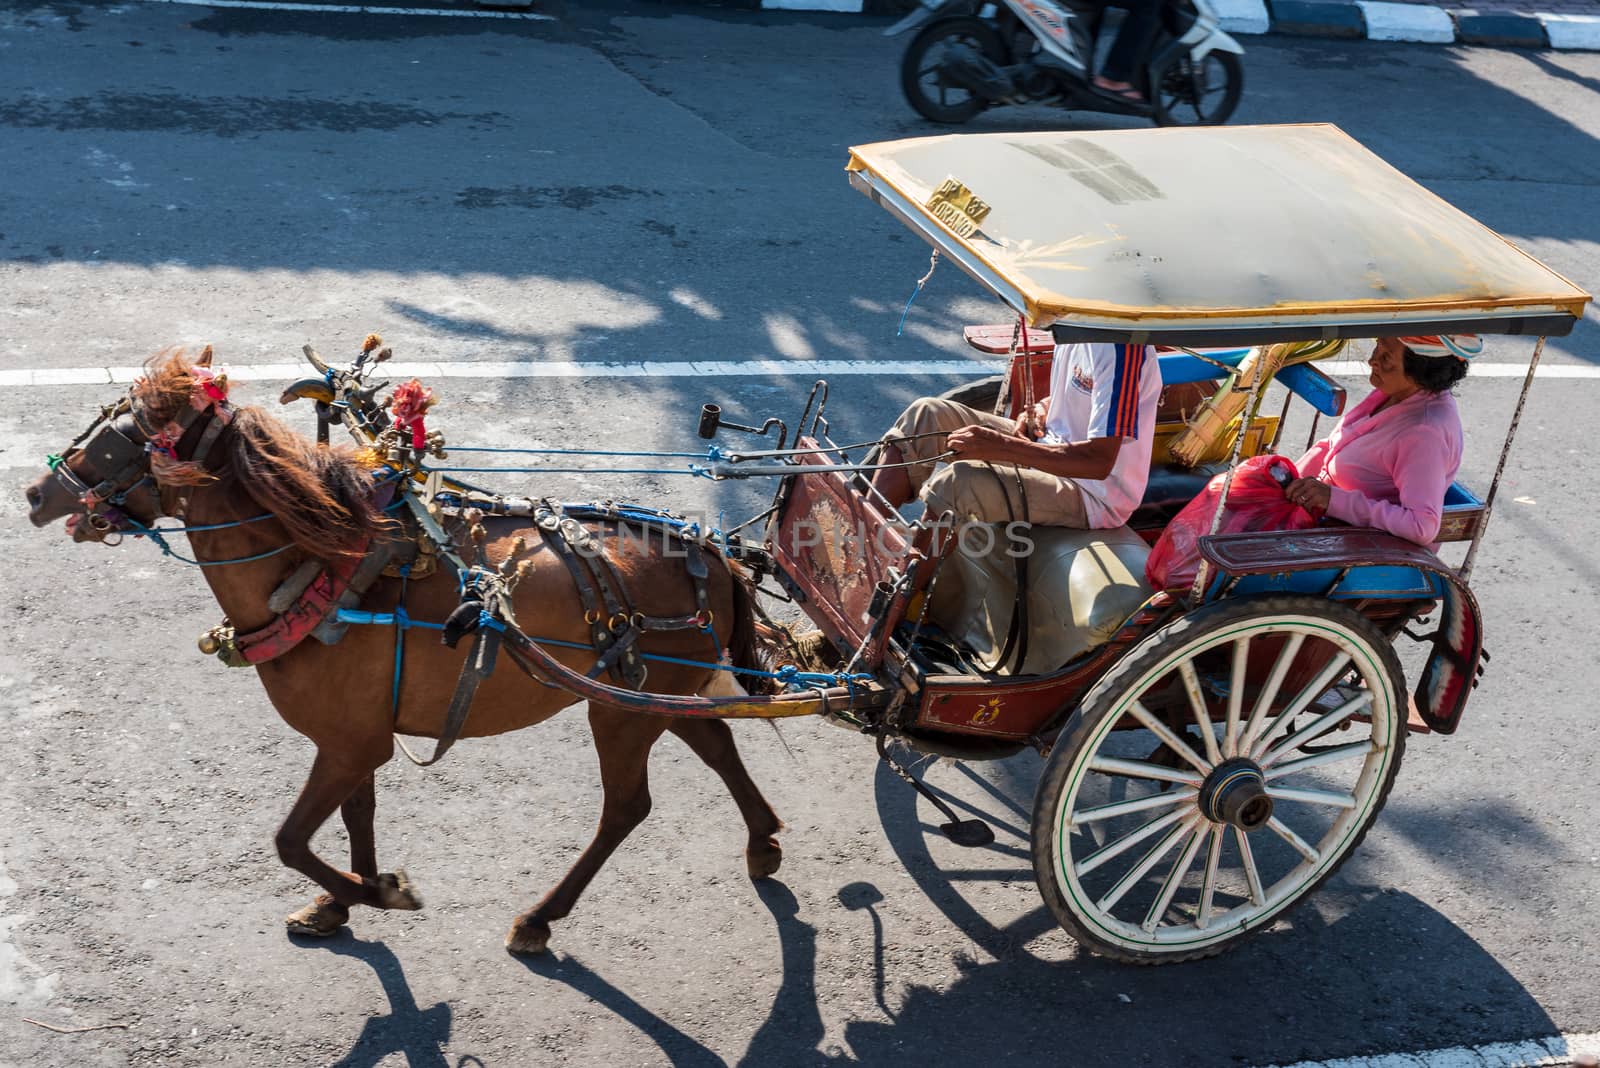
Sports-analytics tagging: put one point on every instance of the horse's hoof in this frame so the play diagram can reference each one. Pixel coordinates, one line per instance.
(321, 918)
(395, 891)
(528, 938)
(764, 860)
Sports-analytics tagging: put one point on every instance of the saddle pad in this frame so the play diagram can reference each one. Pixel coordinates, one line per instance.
(1082, 586)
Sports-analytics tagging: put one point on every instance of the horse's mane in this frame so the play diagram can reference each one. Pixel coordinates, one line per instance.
(321, 494)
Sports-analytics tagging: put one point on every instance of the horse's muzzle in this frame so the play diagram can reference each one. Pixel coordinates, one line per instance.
(45, 506)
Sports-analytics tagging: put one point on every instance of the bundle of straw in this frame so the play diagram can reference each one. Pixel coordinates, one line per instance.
(1210, 428)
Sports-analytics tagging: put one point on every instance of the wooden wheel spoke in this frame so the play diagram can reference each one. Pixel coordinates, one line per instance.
(1208, 885)
(1314, 689)
(1169, 888)
(1301, 846)
(1321, 725)
(1165, 733)
(1126, 842)
(1125, 808)
(1236, 681)
(1312, 797)
(1297, 688)
(1336, 755)
(1252, 877)
(1140, 769)
(1269, 692)
(1197, 706)
(1150, 859)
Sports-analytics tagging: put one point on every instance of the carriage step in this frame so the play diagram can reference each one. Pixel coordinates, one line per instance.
(968, 833)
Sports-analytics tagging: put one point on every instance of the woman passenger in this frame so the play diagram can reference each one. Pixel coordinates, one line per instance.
(1390, 459)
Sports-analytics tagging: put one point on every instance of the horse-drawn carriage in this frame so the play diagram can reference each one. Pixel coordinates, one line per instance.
(1212, 752)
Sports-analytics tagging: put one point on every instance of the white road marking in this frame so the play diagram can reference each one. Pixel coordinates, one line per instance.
(84, 376)
(1529, 1053)
(1359, 369)
(358, 9)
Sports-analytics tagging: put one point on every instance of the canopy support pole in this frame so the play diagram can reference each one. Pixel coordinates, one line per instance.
(1499, 468)
(1246, 417)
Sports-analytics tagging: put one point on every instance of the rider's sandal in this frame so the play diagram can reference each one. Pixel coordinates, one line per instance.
(1128, 92)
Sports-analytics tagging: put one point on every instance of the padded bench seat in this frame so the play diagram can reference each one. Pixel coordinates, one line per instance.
(1082, 586)
(1169, 491)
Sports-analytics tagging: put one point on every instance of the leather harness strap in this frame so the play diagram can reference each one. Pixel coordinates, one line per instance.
(479, 665)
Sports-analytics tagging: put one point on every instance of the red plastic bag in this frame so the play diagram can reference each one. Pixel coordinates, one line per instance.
(1255, 502)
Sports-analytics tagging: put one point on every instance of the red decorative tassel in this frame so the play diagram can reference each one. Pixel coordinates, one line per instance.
(410, 403)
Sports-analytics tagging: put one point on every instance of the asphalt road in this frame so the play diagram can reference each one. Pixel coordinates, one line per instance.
(635, 184)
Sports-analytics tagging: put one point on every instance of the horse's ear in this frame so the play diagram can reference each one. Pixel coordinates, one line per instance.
(205, 358)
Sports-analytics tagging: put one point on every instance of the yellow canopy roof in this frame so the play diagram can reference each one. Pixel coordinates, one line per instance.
(1210, 235)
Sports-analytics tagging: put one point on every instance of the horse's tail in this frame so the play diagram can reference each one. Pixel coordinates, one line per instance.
(746, 646)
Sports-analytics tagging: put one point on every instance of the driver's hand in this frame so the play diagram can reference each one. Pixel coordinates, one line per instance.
(978, 443)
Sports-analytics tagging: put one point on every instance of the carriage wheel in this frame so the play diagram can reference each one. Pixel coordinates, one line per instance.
(1216, 776)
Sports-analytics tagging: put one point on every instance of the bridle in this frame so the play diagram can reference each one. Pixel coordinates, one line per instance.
(126, 440)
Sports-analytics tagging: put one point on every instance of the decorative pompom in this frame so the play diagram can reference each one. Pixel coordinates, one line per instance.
(370, 342)
(410, 402)
(411, 399)
(210, 391)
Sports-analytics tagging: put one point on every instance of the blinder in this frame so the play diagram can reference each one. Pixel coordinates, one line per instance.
(116, 449)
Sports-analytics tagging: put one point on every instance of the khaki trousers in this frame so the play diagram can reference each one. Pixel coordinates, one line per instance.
(979, 491)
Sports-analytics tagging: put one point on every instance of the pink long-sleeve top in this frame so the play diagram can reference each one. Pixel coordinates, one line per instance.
(1390, 469)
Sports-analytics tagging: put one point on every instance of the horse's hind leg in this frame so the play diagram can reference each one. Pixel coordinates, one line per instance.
(324, 916)
(622, 740)
(712, 742)
(330, 785)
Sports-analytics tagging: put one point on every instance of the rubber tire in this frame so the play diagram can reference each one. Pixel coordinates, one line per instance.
(1230, 100)
(989, 43)
(1141, 658)
(981, 394)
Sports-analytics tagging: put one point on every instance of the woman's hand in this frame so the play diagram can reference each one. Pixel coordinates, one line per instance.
(979, 443)
(1310, 494)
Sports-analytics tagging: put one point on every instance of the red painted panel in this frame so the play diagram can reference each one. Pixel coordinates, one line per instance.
(1019, 707)
(836, 546)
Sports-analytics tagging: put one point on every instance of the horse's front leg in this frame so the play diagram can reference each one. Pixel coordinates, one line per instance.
(324, 916)
(332, 784)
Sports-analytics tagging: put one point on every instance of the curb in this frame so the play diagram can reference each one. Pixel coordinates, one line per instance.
(1371, 20)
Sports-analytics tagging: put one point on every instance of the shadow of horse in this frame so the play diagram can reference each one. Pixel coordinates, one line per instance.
(680, 1049)
(420, 1035)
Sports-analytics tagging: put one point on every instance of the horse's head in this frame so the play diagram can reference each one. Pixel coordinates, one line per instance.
(112, 477)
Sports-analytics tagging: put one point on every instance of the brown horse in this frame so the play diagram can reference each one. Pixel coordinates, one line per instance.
(340, 696)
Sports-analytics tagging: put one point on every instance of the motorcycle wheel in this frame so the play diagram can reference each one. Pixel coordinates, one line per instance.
(1187, 92)
(924, 86)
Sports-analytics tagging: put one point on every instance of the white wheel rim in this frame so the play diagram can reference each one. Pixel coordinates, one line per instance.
(1148, 870)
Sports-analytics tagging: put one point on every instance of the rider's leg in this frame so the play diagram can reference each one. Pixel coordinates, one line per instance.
(917, 439)
(1131, 49)
(1005, 493)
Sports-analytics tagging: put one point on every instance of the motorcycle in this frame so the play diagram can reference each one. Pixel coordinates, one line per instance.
(970, 55)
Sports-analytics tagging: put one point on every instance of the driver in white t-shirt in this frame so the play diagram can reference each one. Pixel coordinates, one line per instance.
(1080, 458)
